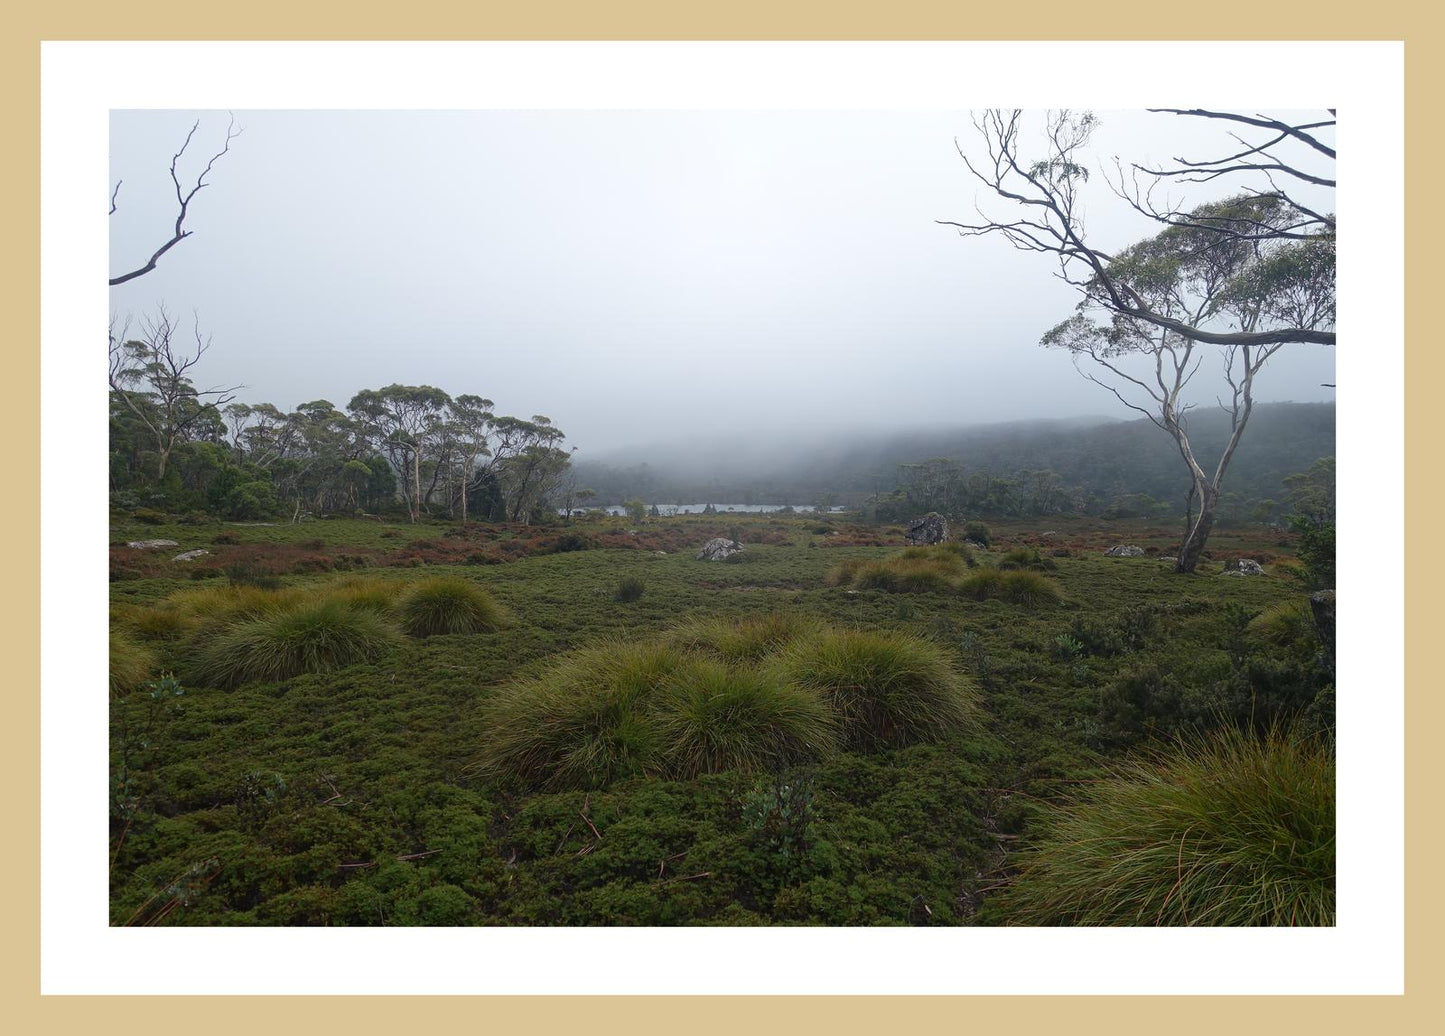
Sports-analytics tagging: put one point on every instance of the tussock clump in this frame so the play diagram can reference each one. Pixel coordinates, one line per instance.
(713, 718)
(744, 641)
(583, 722)
(313, 636)
(154, 623)
(1015, 587)
(935, 569)
(1226, 830)
(629, 589)
(448, 604)
(887, 688)
(1288, 627)
(365, 593)
(131, 664)
(214, 605)
(1027, 558)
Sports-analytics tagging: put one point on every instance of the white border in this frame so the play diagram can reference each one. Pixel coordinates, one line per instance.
(81, 82)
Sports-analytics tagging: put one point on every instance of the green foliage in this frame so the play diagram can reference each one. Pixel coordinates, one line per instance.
(449, 604)
(1316, 550)
(887, 688)
(309, 637)
(1027, 558)
(1227, 830)
(978, 532)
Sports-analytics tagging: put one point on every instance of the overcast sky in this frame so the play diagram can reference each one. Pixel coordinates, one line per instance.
(635, 276)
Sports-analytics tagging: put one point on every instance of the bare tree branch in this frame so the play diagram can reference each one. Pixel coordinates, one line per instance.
(183, 199)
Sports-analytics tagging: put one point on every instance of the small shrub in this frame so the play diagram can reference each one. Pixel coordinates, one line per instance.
(1144, 700)
(1226, 830)
(571, 541)
(225, 539)
(147, 516)
(629, 589)
(251, 573)
(887, 688)
(713, 718)
(448, 604)
(313, 636)
(978, 532)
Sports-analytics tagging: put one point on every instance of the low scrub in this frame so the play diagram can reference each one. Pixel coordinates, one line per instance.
(887, 688)
(1027, 558)
(313, 636)
(1231, 829)
(448, 604)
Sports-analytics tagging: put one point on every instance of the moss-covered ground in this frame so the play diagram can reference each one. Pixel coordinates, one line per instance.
(354, 795)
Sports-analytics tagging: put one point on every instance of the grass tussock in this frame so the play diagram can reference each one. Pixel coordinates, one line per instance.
(583, 722)
(213, 605)
(448, 604)
(313, 636)
(366, 593)
(887, 688)
(715, 718)
(1228, 830)
(1020, 586)
(935, 569)
(131, 664)
(745, 641)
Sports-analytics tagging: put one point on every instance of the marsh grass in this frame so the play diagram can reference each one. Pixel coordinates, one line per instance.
(449, 604)
(309, 637)
(888, 689)
(934, 569)
(1229, 829)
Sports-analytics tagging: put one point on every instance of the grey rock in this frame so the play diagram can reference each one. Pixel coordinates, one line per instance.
(190, 555)
(152, 544)
(1124, 550)
(1172, 561)
(719, 549)
(976, 544)
(1243, 567)
(931, 528)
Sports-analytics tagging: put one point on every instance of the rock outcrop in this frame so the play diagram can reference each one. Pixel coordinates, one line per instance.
(719, 549)
(190, 555)
(1124, 550)
(931, 528)
(152, 544)
(1243, 567)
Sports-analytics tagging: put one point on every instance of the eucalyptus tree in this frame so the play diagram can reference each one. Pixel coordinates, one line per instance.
(1245, 274)
(401, 421)
(150, 376)
(1195, 276)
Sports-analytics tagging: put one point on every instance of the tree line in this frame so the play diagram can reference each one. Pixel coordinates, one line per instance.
(406, 449)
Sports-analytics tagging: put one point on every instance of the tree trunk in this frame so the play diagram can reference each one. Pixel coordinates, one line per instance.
(416, 483)
(1199, 533)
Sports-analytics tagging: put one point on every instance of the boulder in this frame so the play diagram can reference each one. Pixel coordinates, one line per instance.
(1124, 550)
(152, 544)
(1243, 567)
(719, 549)
(190, 555)
(931, 528)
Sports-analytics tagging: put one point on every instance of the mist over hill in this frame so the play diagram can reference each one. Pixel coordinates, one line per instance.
(1095, 463)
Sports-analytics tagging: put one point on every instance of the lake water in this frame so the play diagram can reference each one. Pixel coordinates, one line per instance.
(670, 509)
